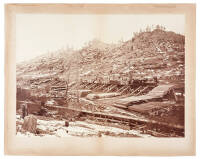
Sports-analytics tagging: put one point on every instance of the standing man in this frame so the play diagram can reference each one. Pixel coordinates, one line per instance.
(24, 110)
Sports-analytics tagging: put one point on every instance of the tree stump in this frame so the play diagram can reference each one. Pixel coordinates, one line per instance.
(30, 124)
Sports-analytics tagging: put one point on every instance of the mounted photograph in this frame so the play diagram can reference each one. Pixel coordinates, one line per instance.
(91, 73)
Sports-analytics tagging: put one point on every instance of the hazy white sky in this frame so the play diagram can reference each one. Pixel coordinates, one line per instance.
(38, 33)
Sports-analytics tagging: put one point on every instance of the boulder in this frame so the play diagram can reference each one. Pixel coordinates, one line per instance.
(30, 124)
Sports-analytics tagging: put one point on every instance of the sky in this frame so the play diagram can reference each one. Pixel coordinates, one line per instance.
(36, 34)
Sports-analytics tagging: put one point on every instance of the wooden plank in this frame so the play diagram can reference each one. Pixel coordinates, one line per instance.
(121, 88)
(125, 90)
(120, 106)
(110, 88)
(142, 90)
(97, 88)
(93, 86)
(113, 87)
(104, 85)
(89, 87)
(105, 89)
(136, 90)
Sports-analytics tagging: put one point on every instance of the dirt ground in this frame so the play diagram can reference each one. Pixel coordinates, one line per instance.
(48, 127)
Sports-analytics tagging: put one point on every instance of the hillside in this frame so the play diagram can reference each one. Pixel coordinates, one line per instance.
(150, 53)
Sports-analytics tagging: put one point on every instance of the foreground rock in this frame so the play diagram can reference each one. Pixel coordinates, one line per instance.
(30, 124)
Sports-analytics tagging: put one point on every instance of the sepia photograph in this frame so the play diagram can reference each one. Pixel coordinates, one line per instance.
(98, 74)
(124, 80)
